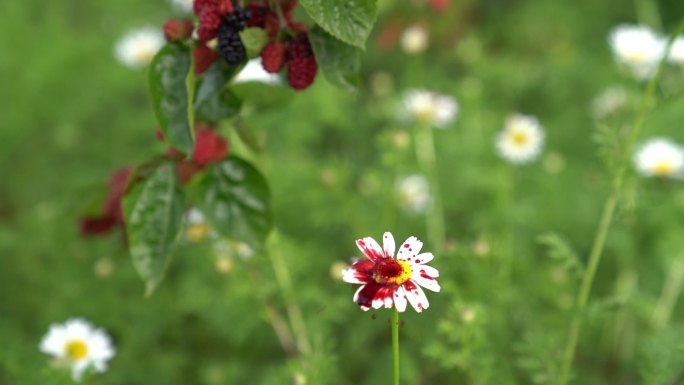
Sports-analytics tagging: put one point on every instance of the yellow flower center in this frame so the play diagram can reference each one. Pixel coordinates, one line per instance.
(197, 232)
(390, 271)
(425, 113)
(636, 57)
(519, 138)
(76, 350)
(663, 169)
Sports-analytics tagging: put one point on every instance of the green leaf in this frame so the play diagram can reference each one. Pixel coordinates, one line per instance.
(254, 39)
(348, 20)
(171, 80)
(561, 251)
(154, 214)
(214, 101)
(236, 199)
(340, 62)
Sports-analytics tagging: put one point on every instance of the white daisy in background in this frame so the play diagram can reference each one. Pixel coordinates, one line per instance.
(255, 72)
(196, 228)
(429, 107)
(638, 48)
(232, 248)
(609, 102)
(521, 140)
(659, 157)
(182, 5)
(414, 39)
(137, 48)
(79, 345)
(414, 193)
(677, 51)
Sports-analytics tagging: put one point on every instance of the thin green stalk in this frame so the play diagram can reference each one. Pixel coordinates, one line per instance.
(284, 281)
(607, 218)
(395, 344)
(668, 298)
(425, 153)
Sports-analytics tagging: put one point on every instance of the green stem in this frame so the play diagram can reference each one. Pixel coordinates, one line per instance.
(607, 218)
(425, 153)
(395, 344)
(284, 281)
(668, 298)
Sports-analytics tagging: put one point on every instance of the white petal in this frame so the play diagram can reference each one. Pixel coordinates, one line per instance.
(416, 296)
(409, 249)
(383, 297)
(421, 277)
(370, 248)
(53, 342)
(424, 258)
(400, 299)
(429, 270)
(388, 244)
(351, 275)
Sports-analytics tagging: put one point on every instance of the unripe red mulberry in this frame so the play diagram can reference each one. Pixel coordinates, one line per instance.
(204, 58)
(301, 63)
(273, 56)
(177, 29)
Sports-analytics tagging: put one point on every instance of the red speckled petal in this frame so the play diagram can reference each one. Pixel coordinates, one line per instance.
(388, 244)
(429, 270)
(359, 272)
(364, 296)
(400, 299)
(421, 277)
(409, 249)
(416, 296)
(383, 297)
(424, 258)
(370, 248)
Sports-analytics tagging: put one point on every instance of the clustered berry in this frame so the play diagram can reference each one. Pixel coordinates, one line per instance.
(301, 62)
(288, 45)
(230, 45)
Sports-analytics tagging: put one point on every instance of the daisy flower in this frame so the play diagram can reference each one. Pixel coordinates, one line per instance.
(677, 51)
(638, 48)
(388, 281)
(429, 107)
(79, 345)
(659, 157)
(609, 102)
(414, 193)
(197, 229)
(521, 139)
(137, 48)
(182, 5)
(414, 39)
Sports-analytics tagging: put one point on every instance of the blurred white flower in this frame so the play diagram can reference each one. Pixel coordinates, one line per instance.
(659, 157)
(429, 107)
(677, 51)
(638, 48)
(137, 48)
(196, 229)
(414, 193)
(414, 39)
(182, 5)
(609, 102)
(232, 248)
(79, 345)
(255, 72)
(521, 139)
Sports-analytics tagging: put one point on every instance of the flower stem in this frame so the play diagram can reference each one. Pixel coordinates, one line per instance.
(607, 218)
(668, 298)
(425, 153)
(395, 344)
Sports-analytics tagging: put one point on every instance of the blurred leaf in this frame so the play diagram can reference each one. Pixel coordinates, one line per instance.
(562, 252)
(236, 199)
(171, 79)
(254, 39)
(214, 101)
(263, 95)
(247, 136)
(661, 358)
(349, 21)
(154, 213)
(219, 106)
(340, 62)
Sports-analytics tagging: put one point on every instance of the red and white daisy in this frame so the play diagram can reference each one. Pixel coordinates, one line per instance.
(388, 281)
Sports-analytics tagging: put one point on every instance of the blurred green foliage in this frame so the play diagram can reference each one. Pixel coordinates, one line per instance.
(71, 115)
